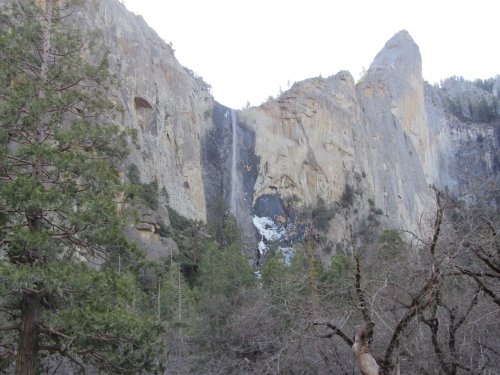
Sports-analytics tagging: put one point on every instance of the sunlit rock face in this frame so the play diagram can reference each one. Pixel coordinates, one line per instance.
(392, 99)
(305, 139)
(389, 138)
(324, 134)
(169, 107)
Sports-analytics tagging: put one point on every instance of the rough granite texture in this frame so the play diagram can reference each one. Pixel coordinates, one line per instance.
(325, 133)
(164, 102)
(387, 137)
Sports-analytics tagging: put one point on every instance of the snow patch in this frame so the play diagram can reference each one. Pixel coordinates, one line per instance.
(268, 229)
(269, 232)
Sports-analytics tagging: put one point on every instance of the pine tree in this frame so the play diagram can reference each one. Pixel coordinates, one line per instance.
(60, 226)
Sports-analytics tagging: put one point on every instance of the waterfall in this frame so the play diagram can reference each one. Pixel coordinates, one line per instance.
(234, 176)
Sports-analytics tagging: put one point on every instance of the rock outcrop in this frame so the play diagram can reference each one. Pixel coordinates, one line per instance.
(466, 152)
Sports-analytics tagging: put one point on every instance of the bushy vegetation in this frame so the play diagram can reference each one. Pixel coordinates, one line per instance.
(68, 280)
(347, 198)
(322, 215)
(147, 193)
(302, 317)
(481, 111)
(485, 84)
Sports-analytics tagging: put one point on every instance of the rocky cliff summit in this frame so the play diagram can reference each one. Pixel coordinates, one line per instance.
(398, 62)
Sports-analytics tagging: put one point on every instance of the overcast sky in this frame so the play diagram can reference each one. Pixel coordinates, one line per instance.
(248, 50)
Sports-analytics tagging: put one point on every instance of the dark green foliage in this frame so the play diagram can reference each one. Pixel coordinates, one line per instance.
(190, 236)
(177, 303)
(347, 198)
(485, 84)
(147, 193)
(341, 265)
(224, 271)
(177, 221)
(274, 268)
(57, 166)
(392, 242)
(163, 229)
(150, 195)
(224, 228)
(133, 174)
(86, 306)
(224, 276)
(480, 111)
(63, 232)
(164, 193)
(321, 215)
(328, 248)
(455, 108)
(373, 209)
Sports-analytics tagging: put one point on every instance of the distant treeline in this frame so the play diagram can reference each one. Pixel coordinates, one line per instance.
(470, 108)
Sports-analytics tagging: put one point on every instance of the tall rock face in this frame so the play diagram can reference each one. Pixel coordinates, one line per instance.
(168, 106)
(230, 168)
(387, 139)
(392, 97)
(465, 150)
(324, 136)
(375, 147)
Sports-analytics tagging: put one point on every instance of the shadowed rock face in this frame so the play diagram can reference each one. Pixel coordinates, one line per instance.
(217, 158)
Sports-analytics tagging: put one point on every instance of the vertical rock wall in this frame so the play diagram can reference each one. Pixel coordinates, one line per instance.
(389, 138)
(386, 139)
(169, 107)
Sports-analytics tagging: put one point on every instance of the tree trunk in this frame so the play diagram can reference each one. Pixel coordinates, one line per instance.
(27, 349)
(362, 352)
(29, 331)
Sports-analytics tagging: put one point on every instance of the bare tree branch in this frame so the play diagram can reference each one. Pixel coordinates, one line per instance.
(336, 331)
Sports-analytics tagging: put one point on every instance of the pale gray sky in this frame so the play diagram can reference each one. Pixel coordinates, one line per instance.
(248, 50)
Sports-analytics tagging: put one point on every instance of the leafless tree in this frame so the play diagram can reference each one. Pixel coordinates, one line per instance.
(442, 305)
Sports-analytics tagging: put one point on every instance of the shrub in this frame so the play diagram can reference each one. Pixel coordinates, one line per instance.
(321, 215)
(147, 193)
(134, 175)
(150, 195)
(177, 221)
(347, 198)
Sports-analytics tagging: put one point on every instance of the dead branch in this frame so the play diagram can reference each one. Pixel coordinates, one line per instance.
(336, 331)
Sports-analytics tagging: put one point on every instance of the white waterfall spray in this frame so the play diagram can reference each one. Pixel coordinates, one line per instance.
(234, 177)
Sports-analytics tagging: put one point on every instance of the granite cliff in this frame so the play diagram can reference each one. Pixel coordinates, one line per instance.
(387, 139)
(377, 145)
